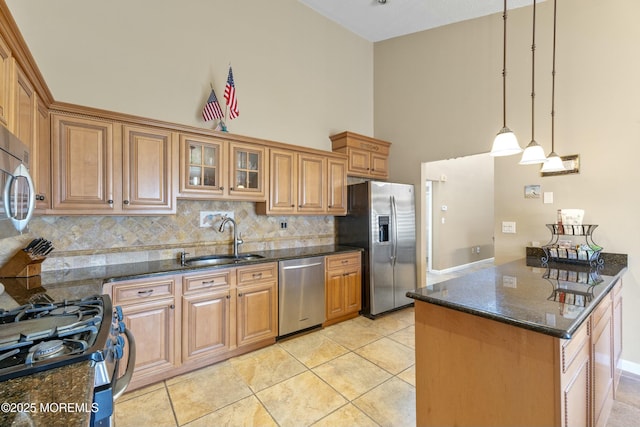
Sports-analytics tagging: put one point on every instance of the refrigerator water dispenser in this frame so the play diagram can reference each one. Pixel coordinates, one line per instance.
(383, 228)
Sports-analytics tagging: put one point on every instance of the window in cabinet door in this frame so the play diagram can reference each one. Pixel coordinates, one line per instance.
(204, 164)
(247, 170)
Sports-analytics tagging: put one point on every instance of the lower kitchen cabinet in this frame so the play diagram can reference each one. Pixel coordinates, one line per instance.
(343, 281)
(184, 322)
(257, 303)
(206, 315)
(149, 308)
(575, 375)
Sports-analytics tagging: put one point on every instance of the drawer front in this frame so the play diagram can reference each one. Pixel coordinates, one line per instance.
(571, 348)
(258, 272)
(138, 292)
(201, 282)
(341, 261)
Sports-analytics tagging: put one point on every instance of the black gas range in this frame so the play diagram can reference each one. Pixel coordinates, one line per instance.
(42, 336)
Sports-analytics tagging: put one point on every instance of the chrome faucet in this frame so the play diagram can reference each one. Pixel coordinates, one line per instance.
(237, 237)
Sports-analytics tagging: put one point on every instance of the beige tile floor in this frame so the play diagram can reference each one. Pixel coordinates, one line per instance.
(357, 373)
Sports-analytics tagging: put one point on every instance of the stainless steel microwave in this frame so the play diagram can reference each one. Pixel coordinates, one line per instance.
(17, 194)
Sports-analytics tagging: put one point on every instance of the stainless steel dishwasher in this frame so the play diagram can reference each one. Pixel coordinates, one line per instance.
(300, 294)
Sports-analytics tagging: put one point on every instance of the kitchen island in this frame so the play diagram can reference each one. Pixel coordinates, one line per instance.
(519, 344)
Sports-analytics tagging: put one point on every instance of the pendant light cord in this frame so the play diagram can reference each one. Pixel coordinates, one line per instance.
(553, 80)
(533, 71)
(504, 66)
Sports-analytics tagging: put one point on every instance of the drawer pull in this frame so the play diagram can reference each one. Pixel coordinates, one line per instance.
(146, 293)
(257, 275)
(345, 261)
(209, 282)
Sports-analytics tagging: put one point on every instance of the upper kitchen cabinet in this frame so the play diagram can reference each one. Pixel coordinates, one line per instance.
(367, 157)
(148, 163)
(297, 183)
(214, 168)
(84, 166)
(201, 167)
(247, 171)
(41, 156)
(336, 186)
(5, 76)
(306, 183)
(102, 167)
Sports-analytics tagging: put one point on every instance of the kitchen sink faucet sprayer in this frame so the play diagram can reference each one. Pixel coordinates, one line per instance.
(237, 237)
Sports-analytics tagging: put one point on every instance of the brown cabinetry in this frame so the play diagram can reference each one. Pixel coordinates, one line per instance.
(343, 281)
(206, 314)
(213, 168)
(483, 364)
(184, 322)
(366, 157)
(5, 78)
(102, 167)
(257, 303)
(304, 183)
(336, 186)
(149, 308)
(575, 362)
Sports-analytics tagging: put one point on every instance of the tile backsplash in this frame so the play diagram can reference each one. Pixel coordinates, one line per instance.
(82, 241)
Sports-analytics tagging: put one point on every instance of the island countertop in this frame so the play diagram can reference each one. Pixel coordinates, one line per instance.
(553, 299)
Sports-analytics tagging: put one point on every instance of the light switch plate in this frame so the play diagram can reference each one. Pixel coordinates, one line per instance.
(547, 197)
(509, 227)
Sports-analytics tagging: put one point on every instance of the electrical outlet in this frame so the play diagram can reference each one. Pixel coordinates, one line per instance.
(283, 225)
(209, 218)
(477, 249)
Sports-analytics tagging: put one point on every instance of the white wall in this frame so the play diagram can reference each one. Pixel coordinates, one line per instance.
(438, 96)
(299, 77)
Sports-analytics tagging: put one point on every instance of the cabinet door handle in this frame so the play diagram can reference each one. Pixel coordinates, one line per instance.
(221, 188)
(230, 188)
(239, 295)
(110, 202)
(126, 202)
(146, 293)
(172, 306)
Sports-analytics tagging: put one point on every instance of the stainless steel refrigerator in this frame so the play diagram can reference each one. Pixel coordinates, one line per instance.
(381, 219)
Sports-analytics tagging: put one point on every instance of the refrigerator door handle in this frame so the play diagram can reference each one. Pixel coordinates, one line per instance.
(394, 225)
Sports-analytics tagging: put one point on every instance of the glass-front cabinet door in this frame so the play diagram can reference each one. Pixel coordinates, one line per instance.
(247, 171)
(201, 164)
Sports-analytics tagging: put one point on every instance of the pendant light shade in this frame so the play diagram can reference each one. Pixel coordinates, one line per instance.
(553, 163)
(533, 153)
(505, 143)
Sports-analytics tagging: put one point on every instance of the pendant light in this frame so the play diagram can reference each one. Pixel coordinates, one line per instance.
(553, 162)
(533, 153)
(505, 143)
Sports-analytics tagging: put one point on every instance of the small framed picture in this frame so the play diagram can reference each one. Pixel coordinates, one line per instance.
(532, 192)
(571, 165)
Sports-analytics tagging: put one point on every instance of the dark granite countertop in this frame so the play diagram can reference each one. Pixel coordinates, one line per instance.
(56, 386)
(82, 282)
(553, 300)
(58, 397)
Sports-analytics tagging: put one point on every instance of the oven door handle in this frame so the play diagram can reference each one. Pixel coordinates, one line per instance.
(19, 224)
(121, 384)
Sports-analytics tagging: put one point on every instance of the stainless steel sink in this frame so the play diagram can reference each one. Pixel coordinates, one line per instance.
(220, 259)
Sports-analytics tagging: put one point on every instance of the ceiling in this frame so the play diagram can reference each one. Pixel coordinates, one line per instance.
(377, 20)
